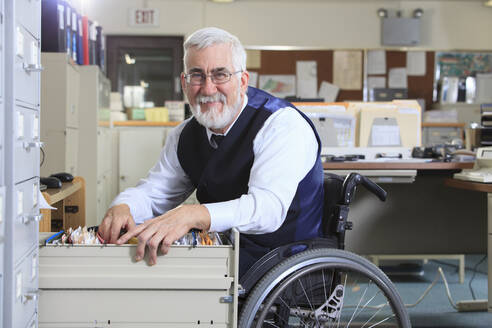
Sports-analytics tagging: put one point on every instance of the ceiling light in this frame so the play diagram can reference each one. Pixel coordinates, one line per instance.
(417, 13)
(382, 12)
(222, 1)
(488, 3)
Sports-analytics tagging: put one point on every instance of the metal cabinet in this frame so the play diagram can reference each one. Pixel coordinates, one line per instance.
(20, 152)
(95, 161)
(60, 115)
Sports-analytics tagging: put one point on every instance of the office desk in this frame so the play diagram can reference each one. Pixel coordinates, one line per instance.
(393, 172)
(487, 188)
(420, 217)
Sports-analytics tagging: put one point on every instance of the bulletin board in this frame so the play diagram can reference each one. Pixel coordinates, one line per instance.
(418, 86)
(284, 62)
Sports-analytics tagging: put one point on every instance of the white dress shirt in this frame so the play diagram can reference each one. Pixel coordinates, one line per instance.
(285, 150)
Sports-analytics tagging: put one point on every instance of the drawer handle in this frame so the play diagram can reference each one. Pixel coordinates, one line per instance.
(30, 296)
(27, 145)
(32, 67)
(34, 218)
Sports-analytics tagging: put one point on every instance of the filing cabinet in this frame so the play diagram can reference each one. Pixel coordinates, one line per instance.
(60, 115)
(20, 160)
(95, 144)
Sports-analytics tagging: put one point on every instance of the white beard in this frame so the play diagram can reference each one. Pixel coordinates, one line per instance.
(212, 118)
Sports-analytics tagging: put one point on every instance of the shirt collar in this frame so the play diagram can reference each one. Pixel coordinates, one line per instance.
(210, 132)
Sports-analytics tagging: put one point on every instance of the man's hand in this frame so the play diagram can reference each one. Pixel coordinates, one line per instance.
(162, 231)
(117, 217)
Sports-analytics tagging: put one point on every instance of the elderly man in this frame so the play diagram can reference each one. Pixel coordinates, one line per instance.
(252, 158)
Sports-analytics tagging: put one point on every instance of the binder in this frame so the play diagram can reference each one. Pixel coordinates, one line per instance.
(92, 42)
(80, 43)
(75, 37)
(53, 36)
(85, 39)
(100, 40)
(68, 28)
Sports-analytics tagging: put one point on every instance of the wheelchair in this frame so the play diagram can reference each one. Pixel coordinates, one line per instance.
(316, 283)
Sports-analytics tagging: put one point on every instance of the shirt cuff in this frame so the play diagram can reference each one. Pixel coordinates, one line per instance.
(222, 215)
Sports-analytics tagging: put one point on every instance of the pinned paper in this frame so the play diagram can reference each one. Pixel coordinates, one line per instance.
(307, 79)
(376, 62)
(280, 86)
(397, 78)
(328, 91)
(347, 69)
(416, 63)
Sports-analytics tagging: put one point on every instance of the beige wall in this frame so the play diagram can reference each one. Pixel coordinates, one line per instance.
(458, 24)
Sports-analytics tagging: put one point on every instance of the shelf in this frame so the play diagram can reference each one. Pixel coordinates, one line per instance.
(139, 123)
(69, 202)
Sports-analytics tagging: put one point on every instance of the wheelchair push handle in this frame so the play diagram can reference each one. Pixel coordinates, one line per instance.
(353, 180)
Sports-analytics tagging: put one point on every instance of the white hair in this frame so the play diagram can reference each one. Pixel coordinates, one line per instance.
(210, 36)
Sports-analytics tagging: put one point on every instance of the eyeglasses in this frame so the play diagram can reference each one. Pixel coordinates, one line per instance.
(217, 77)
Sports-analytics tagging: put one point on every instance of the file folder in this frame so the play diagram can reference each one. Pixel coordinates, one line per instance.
(53, 36)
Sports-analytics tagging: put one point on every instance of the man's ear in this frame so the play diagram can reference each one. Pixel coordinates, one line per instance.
(244, 81)
(183, 82)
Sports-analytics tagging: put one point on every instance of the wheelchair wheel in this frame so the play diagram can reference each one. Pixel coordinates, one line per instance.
(324, 288)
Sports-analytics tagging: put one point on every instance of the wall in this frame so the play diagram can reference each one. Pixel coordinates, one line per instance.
(335, 24)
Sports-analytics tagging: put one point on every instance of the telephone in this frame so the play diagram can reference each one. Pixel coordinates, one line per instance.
(482, 170)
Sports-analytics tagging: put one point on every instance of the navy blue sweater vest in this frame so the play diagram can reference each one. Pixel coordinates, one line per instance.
(222, 174)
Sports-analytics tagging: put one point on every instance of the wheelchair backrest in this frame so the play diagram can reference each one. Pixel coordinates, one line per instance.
(333, 195)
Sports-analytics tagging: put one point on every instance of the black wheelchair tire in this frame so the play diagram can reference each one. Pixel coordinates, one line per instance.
(333, 257)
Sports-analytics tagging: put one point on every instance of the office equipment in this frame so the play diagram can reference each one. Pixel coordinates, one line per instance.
(51, 182)
(482, 170)
(63, 176)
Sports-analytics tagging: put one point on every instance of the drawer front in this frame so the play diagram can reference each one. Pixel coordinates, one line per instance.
(2, 224)
(59, 308)
(27, 143)
(28, 14)
(26, 290)
(26, 69)
(26, 217)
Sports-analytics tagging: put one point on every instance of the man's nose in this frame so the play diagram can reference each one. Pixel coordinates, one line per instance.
(208, 87)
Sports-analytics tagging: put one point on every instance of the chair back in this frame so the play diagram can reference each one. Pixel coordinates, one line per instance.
(333, 194)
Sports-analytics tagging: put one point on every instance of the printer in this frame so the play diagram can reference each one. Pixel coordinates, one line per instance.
(482, 170)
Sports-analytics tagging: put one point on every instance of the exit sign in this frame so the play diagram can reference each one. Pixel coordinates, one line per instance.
(145, 17)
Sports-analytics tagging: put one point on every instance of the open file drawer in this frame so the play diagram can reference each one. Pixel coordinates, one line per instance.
(102, 286)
